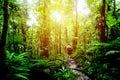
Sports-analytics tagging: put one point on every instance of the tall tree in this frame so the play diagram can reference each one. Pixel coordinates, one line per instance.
(76, 27)
(24, 25)
(45, 28)
(114, 4)
(103, 26)
(3, 40)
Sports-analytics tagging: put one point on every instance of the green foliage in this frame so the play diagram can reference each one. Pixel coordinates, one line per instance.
(111, 21)
(64, 74)
(44, 68)
(17, 66)
(40, 70)
(105, 62)
(100, 60)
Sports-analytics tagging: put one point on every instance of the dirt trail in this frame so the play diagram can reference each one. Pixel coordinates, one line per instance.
(71, 63)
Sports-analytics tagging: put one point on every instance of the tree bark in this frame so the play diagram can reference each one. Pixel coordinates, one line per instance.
(103, 26)
(114, 4)
(75, 29)
(60, 39)
(3, 41)
(23, 29)
(46, 30)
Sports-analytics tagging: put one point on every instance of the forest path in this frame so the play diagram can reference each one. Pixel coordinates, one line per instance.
(77, 71)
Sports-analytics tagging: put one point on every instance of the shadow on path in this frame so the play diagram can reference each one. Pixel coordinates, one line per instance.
(71, 63)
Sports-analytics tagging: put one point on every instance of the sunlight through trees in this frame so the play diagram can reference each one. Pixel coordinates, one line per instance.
(56, 16)
(34, 35)
(82, 7)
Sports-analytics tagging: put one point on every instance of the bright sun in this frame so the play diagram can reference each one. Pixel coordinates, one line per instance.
(82, 7)
(117, 1)
(31, 12)
(32, 19)
(56, 16)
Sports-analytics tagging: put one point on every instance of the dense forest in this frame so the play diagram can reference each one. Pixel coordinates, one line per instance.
(34, 35)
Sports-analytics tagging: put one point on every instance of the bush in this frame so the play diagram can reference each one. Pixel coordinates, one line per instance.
(40, 69)
(17, 66)
(105, 62)
(64, 74)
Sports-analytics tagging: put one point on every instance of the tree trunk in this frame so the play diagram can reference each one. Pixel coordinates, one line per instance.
(24, 36)
(46, 30)
(114, 4)
(75, 29)
(60, 39)
(103, 25)
(23, 29)
(66, 34)
(3, 41)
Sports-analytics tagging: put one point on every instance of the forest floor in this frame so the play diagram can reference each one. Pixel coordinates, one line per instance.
(77, 71)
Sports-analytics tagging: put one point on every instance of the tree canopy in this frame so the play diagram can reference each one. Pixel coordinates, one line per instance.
(34, 35)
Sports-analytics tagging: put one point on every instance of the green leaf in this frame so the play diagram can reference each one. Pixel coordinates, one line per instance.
(22, 68)
(10, 55)
(20, 56)
(112, 52)
(104, 66)
(22, 76)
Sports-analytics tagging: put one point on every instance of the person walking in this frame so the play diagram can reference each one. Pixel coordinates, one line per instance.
(69, 50)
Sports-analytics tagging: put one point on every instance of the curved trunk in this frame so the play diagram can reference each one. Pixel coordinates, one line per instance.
(3, 41)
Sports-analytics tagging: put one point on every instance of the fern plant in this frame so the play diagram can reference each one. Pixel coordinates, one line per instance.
(17, 66)
(105, 61)
(64, 74)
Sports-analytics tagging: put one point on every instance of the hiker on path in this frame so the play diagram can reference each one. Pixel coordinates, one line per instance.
(69, 50)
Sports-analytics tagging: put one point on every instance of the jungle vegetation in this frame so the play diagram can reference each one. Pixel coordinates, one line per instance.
(34, 35)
